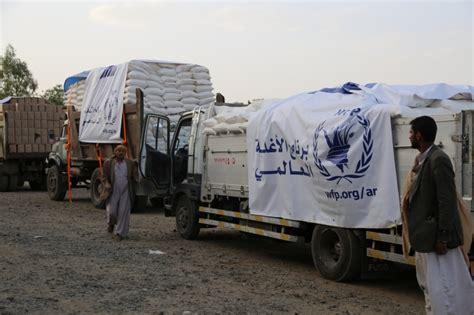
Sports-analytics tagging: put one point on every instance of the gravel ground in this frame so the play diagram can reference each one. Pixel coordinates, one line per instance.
(56, 257)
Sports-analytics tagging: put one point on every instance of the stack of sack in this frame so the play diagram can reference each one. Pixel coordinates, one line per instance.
(232, 119)
(74, 95)
(169, 88)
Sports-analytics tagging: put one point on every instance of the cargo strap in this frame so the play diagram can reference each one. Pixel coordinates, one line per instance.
(98, 154)
(68, 149)
(124, 129)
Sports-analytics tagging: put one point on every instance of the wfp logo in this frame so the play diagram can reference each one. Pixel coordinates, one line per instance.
(338, 142)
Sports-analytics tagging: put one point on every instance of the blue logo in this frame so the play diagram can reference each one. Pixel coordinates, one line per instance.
(338, 141)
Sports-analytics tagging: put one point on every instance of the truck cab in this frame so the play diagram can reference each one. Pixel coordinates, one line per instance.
(168, 157)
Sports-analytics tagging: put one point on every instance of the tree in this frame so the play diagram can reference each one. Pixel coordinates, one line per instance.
(54, 95)
(15, 77)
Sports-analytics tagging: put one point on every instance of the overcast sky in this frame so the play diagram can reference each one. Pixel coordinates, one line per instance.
(253, 49)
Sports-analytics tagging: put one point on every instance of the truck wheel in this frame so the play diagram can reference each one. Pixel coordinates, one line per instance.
(13, 182)
(96, 184)
(57, 186)
(337, 253)
(3, 183)
(187, 218)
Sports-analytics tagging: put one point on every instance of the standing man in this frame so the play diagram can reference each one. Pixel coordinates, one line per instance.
(434, 226)
(121, 174)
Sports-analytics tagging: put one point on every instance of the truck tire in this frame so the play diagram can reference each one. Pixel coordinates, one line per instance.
(187, 218)
(4, 183)
(57, 186)
(13, 182)
(337, 253)
(96, 184)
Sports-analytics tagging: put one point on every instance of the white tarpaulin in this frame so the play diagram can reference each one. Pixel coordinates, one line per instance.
(101, 117)
(327, 156)
(323, 158)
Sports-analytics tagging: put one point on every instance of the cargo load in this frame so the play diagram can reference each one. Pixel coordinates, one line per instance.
(28, 128)
(325, 167)
(106, 106)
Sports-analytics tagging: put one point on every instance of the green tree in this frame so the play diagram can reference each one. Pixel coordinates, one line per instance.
(54, 95)
(15, 77)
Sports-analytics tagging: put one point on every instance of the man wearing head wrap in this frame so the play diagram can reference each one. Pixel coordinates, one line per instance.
(120, 173)
(434, 226)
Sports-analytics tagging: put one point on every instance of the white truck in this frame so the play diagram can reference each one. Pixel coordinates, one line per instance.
(204, 178)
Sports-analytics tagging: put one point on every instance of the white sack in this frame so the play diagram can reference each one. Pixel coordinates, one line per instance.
(173, 104)
(137, 75)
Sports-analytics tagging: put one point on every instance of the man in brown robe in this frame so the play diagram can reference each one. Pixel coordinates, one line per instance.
(121, 174)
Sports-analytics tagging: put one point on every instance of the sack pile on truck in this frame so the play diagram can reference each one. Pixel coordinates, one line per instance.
(330, 146)
(232, 119)
(169, 88)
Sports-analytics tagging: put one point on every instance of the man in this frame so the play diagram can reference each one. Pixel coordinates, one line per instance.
(120, 174)
(434, 227)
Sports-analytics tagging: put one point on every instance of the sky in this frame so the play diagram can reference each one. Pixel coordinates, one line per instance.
(253, 49)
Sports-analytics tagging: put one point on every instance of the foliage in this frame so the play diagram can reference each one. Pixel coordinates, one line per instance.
(54, 95)
(15, 77)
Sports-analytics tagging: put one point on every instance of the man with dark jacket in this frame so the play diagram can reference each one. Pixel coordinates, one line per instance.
(434, 226)
(121, 175)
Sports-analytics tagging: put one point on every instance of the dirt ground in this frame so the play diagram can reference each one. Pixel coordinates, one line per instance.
(57, 257)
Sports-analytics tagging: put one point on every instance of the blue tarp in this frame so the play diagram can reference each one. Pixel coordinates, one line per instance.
(74, 79)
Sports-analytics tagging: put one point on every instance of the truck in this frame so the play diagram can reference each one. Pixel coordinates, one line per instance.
(136, 87)
(28, 128)
(71, 163)
(204, 181)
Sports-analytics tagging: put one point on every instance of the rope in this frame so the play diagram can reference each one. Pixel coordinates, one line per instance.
(68, 158)
(98, 155)
(124, 129)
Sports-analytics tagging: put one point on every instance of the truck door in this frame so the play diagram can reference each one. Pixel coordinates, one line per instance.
(155, 162)
(180, 151)
(467, 139)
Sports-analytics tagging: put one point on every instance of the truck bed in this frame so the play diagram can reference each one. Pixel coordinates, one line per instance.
(28, 127)
(226, 156)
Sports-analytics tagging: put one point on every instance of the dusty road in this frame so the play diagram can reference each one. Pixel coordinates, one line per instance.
(57, 257)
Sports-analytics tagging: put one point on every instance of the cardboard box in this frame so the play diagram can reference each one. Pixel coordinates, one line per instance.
(12, 148)
(44, 116)
(24, 123)
(49, 115)
(44, 124)
(24, 132)
(44, 136)
(34, 147)
(17, 135)
(38, 124)
(20, 106)
(20, 148)
(17, 115)
(36, 115)
(11, 135)
(41, 107)
(11, 121)
(28, 148)
(24, 140)
(24, 116)
(30, 124)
